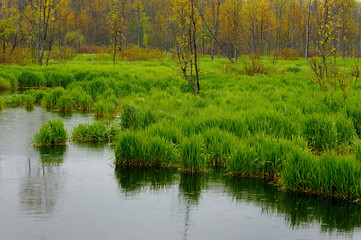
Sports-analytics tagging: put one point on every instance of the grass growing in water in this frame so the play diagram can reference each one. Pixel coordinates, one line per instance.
(134, 148)
(329, 175)
(98, 131)
(4, 83)
(193, 155)
(252, 125)
(2, 103)
(51, 132)
(65, 103)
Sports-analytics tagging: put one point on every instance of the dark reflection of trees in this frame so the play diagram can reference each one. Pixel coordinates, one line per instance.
(40, 186)
(298, 209)
(133, 180)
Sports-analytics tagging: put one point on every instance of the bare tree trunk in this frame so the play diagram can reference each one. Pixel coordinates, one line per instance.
(307, 29)
(215, 30)
(138, 23)
(215, 40)
(49, 49)
(202, 30)
(195, 48)
(166, 39)
(114, 47)
(122, 32)
(39, 38)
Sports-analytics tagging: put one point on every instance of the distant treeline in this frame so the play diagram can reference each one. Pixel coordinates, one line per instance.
(34, 31)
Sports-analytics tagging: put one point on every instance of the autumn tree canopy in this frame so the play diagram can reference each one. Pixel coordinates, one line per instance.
(39, 30)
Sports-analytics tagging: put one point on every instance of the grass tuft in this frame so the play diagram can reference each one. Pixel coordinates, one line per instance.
(51, 132)
(98, 131)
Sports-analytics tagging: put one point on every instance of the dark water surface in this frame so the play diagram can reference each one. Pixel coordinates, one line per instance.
(73, 192)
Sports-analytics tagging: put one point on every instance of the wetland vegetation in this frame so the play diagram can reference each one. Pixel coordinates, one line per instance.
(276, 125)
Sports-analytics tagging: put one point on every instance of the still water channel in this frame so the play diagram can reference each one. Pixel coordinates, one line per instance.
(73, 192)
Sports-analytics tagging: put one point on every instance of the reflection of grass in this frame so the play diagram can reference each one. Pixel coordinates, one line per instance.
(53, 155)
(191, 186)
(133, 179)
(298, 209)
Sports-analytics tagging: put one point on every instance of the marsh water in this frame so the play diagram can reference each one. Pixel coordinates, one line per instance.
(73, 192)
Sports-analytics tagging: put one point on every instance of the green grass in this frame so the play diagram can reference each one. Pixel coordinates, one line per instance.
(357, 150)
(2, 103)
(328, 132)
(31, 79)
(193, 155)
(4, 83)
(262, 125)
(134, 118)
(65, 103)
(134, 148)
(51, 132)
(97, 131)
(329, 175)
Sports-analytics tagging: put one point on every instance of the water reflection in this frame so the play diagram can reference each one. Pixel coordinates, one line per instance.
(191, 186)
(52, 156)
(133, 180)
(39, 189)
(7, 93)
(298, 210)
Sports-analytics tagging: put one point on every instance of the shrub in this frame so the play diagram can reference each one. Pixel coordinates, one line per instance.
(289, 53)
(51, 132)
(254, 65)
(137, 53)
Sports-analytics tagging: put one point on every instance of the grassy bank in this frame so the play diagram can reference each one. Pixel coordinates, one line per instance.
(276, 125)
